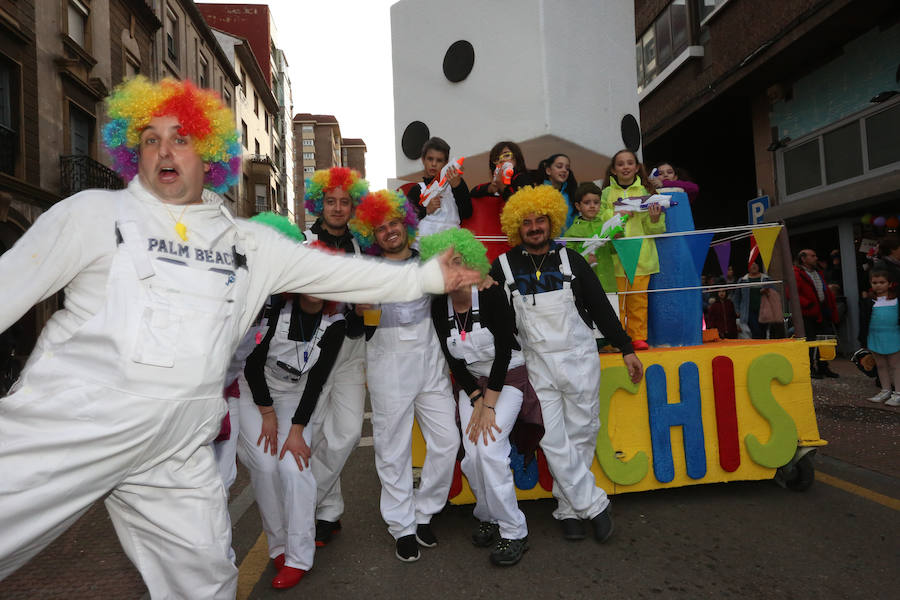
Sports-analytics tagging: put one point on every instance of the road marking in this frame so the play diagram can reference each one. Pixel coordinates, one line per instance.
(252, 567)
(858, 490)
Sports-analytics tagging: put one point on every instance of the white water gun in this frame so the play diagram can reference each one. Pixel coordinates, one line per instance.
(440, 183)
(611, 228)
(505, 171)
(643, 203)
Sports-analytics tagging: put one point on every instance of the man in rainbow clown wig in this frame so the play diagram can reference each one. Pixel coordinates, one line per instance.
(407, 376)
(123, 392)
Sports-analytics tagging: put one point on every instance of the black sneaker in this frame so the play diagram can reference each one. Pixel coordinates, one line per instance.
(325, 530)
(573, 529)
(508, 552)
(486, 534)
(603, 526)
(407, 548)
(425, 536)
(824, 370)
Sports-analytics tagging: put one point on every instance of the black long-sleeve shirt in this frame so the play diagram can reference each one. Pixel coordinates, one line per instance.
(519, 180)
(494, 314)
(590, 299)
(460, 194)
(343, 243)
(302, 329)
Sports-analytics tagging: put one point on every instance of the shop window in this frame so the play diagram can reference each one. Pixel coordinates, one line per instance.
(802, 167)
(882, 138)
(843, 153)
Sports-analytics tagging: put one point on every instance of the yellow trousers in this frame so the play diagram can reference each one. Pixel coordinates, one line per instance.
(633, 307)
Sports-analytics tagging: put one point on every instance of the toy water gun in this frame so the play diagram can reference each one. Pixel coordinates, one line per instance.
(611, 228)
(440, 183)
(505, 171)
(654, 173)
(643, 203)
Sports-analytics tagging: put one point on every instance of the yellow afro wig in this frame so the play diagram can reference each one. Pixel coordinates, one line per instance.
(540, 200)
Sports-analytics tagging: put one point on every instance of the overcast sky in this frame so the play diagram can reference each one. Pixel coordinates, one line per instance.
(339, 52)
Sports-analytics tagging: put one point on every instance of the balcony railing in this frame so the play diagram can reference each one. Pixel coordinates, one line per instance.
(80, 172)
(9, 146)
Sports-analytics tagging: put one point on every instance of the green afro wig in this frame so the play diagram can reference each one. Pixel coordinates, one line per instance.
(473, 252)
(280, 224)
(540, 200)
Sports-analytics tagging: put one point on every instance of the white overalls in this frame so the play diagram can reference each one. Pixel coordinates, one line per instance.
(286, 496)
(407, 377)
(487, 466)
(564, 370)
(338, 420)
(446, 217)
(128, 405)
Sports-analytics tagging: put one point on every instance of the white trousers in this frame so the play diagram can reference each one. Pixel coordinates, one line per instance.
(286, 496)
(65, 444)
(404, 385)
(486, 467)
(337, 426)
(567, 385)
(226, 450)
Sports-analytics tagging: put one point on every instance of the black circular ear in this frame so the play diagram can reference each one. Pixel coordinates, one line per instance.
(414, 137)
(459, 60)
(631, 133)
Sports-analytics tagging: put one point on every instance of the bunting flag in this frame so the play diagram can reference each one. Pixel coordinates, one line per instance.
(629, 251)
(754, 252)
(765, 239)
(698, 246)
(723, 253)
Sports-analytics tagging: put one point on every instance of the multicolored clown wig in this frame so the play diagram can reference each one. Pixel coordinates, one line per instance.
(281, 224)
(327, 179)
(473, 252)
(539, 200)
(376, 208)
(202, 115)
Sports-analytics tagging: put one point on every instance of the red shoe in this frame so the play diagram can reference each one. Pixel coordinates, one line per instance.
(639, 345)
(287, 577)
(278, 561)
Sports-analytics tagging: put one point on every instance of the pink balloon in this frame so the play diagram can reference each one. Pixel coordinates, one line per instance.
(879, 221)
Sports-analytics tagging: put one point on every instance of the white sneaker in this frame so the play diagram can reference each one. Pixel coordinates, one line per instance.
(894, 400)
(881, 396)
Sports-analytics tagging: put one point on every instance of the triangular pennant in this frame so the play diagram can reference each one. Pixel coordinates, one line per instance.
(629, 251)
(698, 246)
(723, 253)
(765, 238)
(754, 252)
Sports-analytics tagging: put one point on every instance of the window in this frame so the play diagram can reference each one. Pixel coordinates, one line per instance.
(307, 128)
(277, 152)
(226, 96)
(81, 131)
(309, 142)
(802, 168)
(9, 116)
(662, 43)
(244, 135)
(204, 72)
(243, 82)
(256, 146)
(882, 141)
(843, 153)
(266, 119)
(309, 156)
(708, 7)
(171, 35)
(132, 65)
(78, 22)
(309, 169)
(262, 203)
(255, 103)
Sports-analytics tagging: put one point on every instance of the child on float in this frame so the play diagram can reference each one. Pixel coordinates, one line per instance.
(556, 170)
(668, 176)
(502, 153)
(625, 178)
(476, 334)
(879, 331)
(454, 204)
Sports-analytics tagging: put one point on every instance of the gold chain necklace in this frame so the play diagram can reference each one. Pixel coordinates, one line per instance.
(180, 228)
(537, 268)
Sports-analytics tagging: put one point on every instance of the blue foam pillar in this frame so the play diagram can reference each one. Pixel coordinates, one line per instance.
(674, 318)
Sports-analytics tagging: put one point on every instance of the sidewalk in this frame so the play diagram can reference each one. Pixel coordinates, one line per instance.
(858, 431)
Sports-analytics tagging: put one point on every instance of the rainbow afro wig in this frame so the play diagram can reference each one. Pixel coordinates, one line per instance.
(327, 179)
(377, 208)
(279, 223)
(473, 252)
(539, 200)
(203, 117)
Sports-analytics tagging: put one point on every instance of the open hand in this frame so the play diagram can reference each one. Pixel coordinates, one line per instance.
(297, 447)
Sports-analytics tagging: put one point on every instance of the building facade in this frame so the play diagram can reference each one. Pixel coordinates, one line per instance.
(796, 101)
